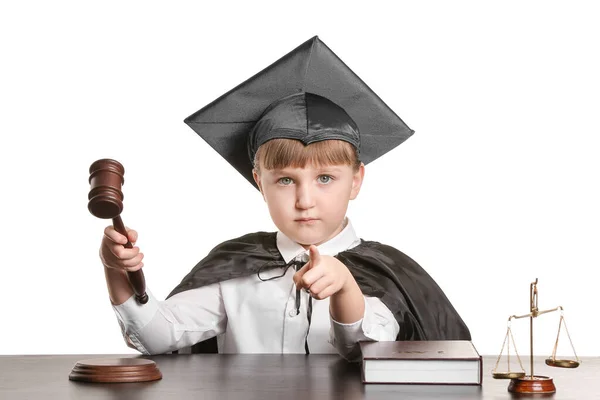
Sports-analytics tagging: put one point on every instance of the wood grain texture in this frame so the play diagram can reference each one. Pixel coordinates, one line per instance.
(248, 376)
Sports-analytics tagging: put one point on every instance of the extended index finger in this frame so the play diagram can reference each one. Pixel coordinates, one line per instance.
(315, 256)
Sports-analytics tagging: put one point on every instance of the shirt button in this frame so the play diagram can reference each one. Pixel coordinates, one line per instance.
(292, 313)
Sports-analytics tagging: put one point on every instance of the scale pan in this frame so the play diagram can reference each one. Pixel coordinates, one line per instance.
(562, 363)
(508, 375)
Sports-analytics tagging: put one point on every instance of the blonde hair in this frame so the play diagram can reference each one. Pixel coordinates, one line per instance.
(283, 153)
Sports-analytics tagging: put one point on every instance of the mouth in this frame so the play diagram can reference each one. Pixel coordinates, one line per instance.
(306, 220)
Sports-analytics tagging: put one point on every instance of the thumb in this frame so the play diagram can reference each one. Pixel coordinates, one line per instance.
(132, 235)
(299, 274)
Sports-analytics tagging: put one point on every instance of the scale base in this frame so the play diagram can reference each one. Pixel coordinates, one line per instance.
(532, 384)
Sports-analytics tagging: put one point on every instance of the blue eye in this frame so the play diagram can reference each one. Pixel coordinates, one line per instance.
(325, 179)
(285, 181)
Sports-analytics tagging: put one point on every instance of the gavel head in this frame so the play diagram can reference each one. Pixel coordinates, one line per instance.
(105, 197)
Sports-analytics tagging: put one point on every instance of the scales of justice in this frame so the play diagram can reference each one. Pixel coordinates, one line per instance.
(521, 382)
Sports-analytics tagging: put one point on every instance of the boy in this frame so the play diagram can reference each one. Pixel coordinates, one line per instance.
(302, 152)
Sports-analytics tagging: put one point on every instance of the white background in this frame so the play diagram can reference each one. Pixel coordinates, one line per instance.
(498, 186)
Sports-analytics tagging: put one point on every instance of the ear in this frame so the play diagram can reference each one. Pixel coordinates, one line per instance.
(256, 177)
(357, 181)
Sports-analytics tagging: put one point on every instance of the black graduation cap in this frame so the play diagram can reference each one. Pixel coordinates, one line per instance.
(310, 95)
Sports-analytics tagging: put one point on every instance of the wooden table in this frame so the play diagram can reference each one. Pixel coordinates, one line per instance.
(287, 377)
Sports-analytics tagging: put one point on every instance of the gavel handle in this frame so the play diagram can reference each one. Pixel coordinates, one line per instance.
(136, 278)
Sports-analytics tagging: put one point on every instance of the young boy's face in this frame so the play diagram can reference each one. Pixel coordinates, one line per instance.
(309, 204)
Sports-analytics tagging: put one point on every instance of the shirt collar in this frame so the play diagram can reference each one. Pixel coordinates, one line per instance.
(344, 240)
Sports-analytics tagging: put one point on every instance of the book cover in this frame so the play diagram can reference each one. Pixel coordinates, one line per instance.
(450, 362)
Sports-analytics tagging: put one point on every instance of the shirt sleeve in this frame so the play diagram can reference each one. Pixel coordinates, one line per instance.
(378, 324)
(182, 320)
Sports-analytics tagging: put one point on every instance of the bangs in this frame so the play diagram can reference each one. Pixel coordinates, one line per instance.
(283, 153)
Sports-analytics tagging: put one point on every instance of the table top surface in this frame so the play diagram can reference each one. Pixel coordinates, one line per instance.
(262, 376)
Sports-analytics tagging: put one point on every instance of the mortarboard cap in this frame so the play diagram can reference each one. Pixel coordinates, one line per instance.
(309, 95)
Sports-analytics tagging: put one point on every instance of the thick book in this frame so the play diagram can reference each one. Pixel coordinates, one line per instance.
(436, 362)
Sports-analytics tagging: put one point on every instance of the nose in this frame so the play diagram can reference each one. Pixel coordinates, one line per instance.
(305, 198)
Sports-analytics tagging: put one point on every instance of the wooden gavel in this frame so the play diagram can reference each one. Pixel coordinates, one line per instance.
(106, 201)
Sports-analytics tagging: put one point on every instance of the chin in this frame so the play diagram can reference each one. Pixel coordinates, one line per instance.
(307, 240)
(309, 235)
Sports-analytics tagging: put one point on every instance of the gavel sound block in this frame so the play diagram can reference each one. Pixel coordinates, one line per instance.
(115, 370)
(106, 201)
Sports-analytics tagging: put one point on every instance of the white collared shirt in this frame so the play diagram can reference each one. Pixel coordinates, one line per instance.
(249, 315)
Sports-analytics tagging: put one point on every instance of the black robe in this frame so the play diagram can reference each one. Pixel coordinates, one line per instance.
(419, 305)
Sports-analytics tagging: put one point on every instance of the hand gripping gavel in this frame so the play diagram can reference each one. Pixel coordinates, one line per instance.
(106, 201)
